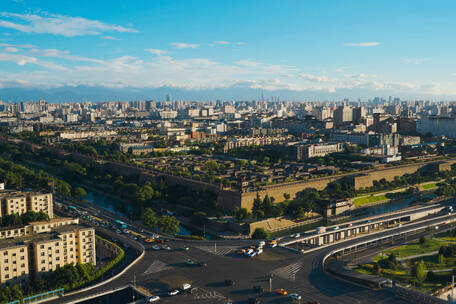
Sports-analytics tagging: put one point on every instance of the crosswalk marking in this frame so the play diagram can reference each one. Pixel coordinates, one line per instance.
(219, 251)
(288, 272)
(156, 266)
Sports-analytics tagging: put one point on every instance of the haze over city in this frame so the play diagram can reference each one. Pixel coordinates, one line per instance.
(297, 50)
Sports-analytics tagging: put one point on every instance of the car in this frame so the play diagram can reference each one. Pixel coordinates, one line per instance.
(241, 251)
(296, 235)
(261, 243)
(156, 247)
(295, 296)
(189, 262)
(253, 301)
(259, 251)
(193, 290)
(185, 248)
(173, 292)
(152, 299)
(202, 264)
(273, 245)
(251, 255)
(258, 289)
(166, 247)
(229, 282)
(281, 291)
(186, 286)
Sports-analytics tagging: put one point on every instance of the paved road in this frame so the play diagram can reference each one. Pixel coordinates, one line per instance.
(161, 270)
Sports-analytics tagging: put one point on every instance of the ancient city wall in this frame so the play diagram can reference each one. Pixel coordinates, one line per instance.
(359, 180)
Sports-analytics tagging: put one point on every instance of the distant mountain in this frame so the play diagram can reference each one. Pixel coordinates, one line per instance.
(99, 93)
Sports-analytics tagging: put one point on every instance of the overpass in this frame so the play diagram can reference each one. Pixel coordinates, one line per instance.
(336, 233)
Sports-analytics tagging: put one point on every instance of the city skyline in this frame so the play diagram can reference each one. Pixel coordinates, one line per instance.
(210, 50)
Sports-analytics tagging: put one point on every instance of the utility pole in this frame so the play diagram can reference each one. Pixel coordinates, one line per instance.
(270, 282)
(204, 230)
(452, 288)
(215, 247)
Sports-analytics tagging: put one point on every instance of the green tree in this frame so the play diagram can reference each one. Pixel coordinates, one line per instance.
(286, 196)
(79, 192)
(168, 224)
(419, 271)
(241, 214)
(441, 259)
(300, 213)
(16, 292)
(149, 218)
(260, 233)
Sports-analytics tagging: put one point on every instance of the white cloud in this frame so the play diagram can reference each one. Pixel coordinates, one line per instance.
(58, 24)
(182, 45)
(362, 44)
(109, 38)
(11, 49)
(62, 55)
(18, 59)
(221, 42)
(342, 69)
(248, 63)
(156, 51)
(26, 46)
(414, 61)
(314, 78)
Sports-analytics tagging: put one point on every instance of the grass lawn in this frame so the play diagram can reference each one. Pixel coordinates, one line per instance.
(413, 249)
(369, 200)
(431, 262)
(429, 186)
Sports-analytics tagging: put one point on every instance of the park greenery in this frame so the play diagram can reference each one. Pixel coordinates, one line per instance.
(164, 223)
(260, 234)
(416, 267)
(14, 219)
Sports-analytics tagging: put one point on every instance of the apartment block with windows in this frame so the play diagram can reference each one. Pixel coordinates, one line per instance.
(20, 202)
(45, 247)
(14, 262)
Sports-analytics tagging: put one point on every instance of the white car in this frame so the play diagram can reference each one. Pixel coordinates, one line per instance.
(296, 235)
(261, 243)
(259, 251)
(156, 247)
(152, 299)
(186, 286)
(252, 254)
(273, 245)
(173, 292)
(295, 296)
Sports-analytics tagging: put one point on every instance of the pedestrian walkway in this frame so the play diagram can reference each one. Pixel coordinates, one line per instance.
(288, 272)
(157, 266)
(219, 250)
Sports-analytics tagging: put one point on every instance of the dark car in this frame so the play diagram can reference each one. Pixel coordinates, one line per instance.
(258, 289)
(253, 301)
(229, 282)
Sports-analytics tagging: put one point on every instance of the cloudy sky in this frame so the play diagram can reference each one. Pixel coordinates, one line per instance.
(330, 48)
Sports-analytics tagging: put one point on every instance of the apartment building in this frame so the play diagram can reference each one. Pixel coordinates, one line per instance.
(20, 202)
(42, 247)
(317, 150)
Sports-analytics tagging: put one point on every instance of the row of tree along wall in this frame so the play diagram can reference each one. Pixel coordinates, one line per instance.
(230, 199)
(358, 180)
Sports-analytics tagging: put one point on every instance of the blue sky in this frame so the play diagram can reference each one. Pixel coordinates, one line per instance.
(341, 48)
